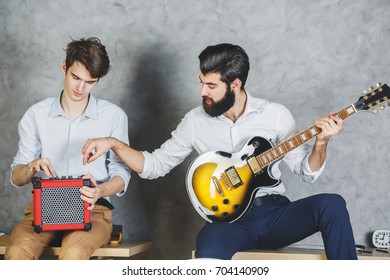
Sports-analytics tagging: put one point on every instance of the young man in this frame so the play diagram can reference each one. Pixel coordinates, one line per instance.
(229, 117)
(52, 133)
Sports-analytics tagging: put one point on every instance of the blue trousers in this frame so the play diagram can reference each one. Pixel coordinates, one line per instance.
(282, 223)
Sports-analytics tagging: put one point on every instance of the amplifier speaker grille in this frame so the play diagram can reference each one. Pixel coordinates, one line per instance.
(62, 206)
(58, 206)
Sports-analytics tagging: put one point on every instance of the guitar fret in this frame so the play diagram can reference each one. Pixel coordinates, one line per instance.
(350, 110)
(264, 159)
(279, 151)
(313, 131)
(307, 134)
(298, 140)
(342, 114)
(346, 112)
(302, 137)
(286, 147)
(262, 162)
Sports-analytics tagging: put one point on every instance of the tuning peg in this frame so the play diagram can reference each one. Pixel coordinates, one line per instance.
(365, 94)
(378, 85)
(374, 111)
(382, 107)
(371, 88)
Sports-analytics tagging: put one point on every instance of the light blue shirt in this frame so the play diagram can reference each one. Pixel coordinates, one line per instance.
(46, 131)
(198, 131)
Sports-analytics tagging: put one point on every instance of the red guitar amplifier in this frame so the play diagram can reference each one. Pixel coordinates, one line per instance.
(58, 206)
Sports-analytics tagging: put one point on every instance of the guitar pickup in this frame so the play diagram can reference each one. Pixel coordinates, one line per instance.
(254, 165)
(233, 177)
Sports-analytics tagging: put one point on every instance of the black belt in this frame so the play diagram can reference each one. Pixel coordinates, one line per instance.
(104, 202)
(267, 199)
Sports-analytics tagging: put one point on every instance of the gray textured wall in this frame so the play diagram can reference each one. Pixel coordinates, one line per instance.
(312, 56)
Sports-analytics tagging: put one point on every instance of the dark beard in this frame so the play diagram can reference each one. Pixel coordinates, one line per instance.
(218, 108)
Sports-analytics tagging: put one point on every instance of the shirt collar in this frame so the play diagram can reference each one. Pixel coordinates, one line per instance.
(90, 112)
(250, 105)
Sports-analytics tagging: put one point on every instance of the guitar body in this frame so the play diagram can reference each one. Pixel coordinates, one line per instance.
(222, 186)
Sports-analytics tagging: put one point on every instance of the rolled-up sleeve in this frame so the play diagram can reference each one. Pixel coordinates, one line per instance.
(306, 174)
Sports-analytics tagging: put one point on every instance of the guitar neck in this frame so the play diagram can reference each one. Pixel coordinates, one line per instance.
(278, 151)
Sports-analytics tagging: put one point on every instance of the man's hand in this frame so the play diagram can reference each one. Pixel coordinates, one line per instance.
(96, 147)
(42, 164)
(330, 126)
(88, 194)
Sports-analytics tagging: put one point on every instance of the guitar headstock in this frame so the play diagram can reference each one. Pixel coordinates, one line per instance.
(374, 98)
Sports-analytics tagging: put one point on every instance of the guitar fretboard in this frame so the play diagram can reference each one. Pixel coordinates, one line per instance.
(277, 152)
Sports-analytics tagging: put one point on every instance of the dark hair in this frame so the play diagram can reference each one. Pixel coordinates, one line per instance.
(231, 61)
(91, 53)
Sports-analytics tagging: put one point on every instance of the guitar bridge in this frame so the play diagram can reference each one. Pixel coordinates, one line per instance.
(233, 177)
(217, 186)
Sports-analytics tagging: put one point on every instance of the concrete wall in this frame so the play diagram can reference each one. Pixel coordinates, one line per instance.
(312, 56)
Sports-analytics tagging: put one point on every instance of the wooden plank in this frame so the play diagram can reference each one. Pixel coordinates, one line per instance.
(123, 249)
(296, 253)
(281, 254)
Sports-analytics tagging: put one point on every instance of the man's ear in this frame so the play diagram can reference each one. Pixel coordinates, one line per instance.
(236, 84)
(64, 67)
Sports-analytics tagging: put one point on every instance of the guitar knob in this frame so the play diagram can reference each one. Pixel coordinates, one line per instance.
(374, 111)
(382, 107)
(371, 88)
(378, 85)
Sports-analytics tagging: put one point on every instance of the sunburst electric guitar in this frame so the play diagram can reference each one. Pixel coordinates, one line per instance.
(222, 186)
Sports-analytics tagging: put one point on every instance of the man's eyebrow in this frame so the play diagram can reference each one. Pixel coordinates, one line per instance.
(209, 83)
(74, 75)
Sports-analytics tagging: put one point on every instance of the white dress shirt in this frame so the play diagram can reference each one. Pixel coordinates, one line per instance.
(46, 131)
(199, 131)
